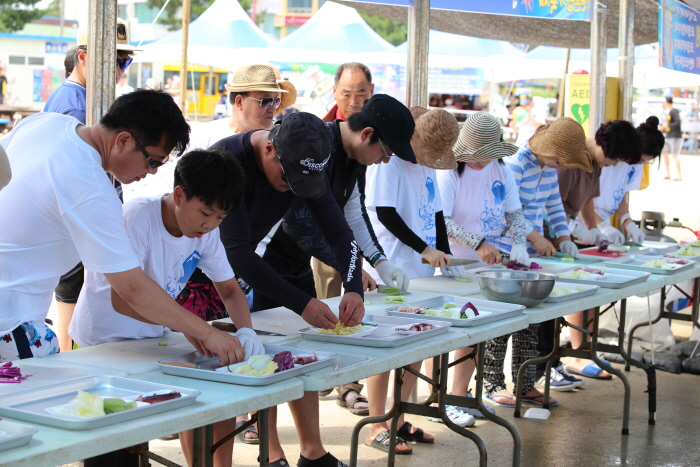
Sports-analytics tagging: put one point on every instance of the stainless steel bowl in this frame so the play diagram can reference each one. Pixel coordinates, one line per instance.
(520, 287)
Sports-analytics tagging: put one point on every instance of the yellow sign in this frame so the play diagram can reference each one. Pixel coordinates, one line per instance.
(578, 99)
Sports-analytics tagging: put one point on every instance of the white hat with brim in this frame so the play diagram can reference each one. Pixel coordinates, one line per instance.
(481, 139)
(122, 37)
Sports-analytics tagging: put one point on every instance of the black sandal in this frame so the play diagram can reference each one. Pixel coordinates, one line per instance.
(417, 436)
(381, 442)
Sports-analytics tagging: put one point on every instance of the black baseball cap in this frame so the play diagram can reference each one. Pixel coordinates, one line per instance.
(394, 121)
(303, 145)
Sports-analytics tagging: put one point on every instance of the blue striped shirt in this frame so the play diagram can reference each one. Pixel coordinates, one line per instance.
(539, 192)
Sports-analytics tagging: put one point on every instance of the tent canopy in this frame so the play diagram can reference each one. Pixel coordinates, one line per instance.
(443, 43)
(335, 28)
(534, 31)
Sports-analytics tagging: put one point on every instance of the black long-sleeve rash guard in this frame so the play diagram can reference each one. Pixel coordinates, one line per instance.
(262, 208)
(398, 228)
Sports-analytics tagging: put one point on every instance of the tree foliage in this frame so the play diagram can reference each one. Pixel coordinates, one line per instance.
(393, 31)
(172, 15)
(14, 14)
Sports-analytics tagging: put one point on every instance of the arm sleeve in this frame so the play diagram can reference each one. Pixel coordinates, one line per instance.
(398, 228)
(356, 215)
(442, 243)
(460, 235)
(255, 271)
(300, 226)
(555, 211)
(330, 219)
(515, 223)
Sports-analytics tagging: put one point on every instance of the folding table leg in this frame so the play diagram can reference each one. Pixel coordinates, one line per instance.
(264, 437)
(197, 447)
(642, 324)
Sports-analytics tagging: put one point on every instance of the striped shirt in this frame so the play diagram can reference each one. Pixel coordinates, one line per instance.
(539, 192)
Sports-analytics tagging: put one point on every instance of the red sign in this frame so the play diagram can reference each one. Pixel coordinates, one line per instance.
(295, 20)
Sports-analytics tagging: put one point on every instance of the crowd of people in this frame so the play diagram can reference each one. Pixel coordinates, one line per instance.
(367, 192)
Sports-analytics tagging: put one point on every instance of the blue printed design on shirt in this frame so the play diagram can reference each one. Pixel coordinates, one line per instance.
(492, 216)
(427, 205)
(431, 242)
(181, 272)
(619, 194)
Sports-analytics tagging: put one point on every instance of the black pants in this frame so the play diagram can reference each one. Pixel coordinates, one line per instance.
(545, 344)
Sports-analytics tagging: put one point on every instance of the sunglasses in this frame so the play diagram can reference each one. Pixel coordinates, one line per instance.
(123, 63)
(386, 153)
(152, 163)
(267, 102)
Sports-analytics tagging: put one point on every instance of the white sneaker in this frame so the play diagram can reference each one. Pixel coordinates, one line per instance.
(457, 417)
(476, 412)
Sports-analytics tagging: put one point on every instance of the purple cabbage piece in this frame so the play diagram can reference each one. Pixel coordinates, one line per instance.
(11, 374)
(468, 306)
(515, 266)
(284, 361)
(534, 265)
(604, 244)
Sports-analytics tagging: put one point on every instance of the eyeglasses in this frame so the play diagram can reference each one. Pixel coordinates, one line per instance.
(123, 63)
(267, 102)
(386, 153)
(152, 163)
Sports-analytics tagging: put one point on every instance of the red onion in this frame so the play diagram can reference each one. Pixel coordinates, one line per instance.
(11, 374)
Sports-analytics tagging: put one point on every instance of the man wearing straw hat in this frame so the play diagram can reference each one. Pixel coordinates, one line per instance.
(256, 94)
(70, 99)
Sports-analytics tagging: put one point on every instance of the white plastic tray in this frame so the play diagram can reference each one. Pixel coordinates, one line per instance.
(488, 310)
(636, 263)
(612, 279)
(575, 295)
(13, 435)
(206, 367)
(31, 406)
(384, 334)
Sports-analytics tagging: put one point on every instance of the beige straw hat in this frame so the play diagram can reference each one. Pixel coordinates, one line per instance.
(435, 134)
(564, 141)
(264, 78)
(481, 139)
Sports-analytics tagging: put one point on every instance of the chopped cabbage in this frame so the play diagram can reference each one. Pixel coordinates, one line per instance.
(659, 263)
(84, 405)
(341, 330)
(580, 274)
(257, 365)
(449, 305)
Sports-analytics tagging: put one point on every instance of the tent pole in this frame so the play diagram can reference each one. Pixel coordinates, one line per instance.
(599, 35)
(562, 87)
(183, 63)
(102, 53)
(417, 67)
(626, 57)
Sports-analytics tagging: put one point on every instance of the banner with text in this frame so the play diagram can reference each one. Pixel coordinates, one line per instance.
(679, 36)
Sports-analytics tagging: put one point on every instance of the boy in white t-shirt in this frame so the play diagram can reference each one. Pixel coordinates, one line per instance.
(171, 235)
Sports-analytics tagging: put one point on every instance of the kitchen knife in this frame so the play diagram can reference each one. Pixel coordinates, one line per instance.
(381, 288)
(230, 327)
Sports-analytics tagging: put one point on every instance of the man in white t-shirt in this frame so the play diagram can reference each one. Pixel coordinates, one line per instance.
(60, 209)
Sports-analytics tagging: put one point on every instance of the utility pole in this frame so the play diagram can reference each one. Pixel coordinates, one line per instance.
(183, 64)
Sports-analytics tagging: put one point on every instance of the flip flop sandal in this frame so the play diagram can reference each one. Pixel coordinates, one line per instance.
(325, 393)
(348, 401)
(381, 442)
(250, 429)
(417, 436)
(277, 463)
(493, 401)
(589, 371)
(539, 400)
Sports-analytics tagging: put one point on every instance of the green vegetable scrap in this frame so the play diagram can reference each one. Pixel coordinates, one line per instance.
(394, 299)
(449, 305)
(367, 302)
(162, 344)
(462, 279)
(112, 405)
(568, 258)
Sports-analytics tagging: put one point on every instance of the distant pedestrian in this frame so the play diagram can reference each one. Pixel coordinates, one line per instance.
(672, 130)
(3, 84)
(122, 86)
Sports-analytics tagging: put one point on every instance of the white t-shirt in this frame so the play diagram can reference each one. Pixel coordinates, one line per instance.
(478, 200)
(205, 135)
(615, 181)
(60, 209)
(121, 90)
(168, 260)
(412, 190)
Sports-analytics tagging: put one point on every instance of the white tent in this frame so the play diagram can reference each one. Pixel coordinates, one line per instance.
(224, 36)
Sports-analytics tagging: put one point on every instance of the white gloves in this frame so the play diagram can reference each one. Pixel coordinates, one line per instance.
(393, 276)
(614, 235)
(598, 236)
(582, 234)
(635, 232)
(250, 342)
(453, 271)
(519, 254)
(568, 248)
